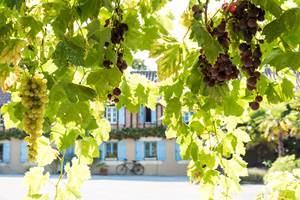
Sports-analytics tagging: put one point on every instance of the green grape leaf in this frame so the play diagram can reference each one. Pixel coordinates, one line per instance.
(88, 9)
(64, 136)
(231, 107)
(287, 88)
(281, 60)
(34, 26)
(287, 24)
(71, 51)
(102, 133)
(62, 21)
(86, 149)
(272, 94)
(169, 58)
(211, 46)
(270, 5)
(76, 92)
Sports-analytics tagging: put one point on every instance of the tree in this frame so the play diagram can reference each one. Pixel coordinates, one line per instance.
(278, 122)
(67, 60)
(139, 64)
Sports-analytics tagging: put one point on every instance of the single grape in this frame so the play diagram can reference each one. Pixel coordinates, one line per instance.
(117, 91)
(258, 98)
(254, 105)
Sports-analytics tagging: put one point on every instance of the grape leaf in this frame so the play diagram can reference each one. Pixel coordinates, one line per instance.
(35, 180)
(270, 5)
(211, 46)
(87, 149)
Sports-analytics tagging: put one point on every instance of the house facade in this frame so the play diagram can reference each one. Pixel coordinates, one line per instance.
(158, 155)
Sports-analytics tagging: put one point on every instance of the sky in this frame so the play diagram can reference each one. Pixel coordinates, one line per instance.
(177, 7)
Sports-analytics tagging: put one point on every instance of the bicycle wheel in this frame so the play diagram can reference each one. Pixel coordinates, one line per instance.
(138, 169)
(122, 169)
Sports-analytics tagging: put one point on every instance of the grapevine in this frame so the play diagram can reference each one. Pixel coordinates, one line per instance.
(243, 16)
(118, 29)
(34, 97)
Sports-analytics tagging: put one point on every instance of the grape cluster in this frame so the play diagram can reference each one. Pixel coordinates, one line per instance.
(34, 97)
(245, 18)
(223, 70)
(221, 34)
(245, 21)
(197, 11)
(118, 29)
(115, 95)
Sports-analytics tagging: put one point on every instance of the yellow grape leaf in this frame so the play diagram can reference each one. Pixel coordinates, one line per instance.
(35, 180)
(46, 154)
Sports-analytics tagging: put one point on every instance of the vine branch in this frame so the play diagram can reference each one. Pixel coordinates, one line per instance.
(205, 14)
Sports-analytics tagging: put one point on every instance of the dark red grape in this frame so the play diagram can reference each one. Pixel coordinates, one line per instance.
(116, 100)
(233, 8)
(254, 105)
(252, 81)
(117, 91)
(252, 23)
(109, 96)
(244, 47)
(258, 98)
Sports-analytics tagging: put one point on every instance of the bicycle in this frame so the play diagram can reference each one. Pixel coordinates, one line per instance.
(137, 168)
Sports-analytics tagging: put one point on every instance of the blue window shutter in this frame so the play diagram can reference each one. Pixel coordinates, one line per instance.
(121, 115)
(161, 150)
(121, 150)
(102, 151)
(23, 152)
(142, 114)
(139, 150)
(153, 116)
(6, 152)
(177, 152)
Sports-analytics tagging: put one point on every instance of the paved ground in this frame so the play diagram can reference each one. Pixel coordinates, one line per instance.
(126, 188)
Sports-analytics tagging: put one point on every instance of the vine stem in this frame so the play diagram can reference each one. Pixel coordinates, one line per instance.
(205, 14)
(61, 174)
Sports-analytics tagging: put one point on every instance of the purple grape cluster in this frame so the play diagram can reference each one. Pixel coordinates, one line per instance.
(118, 29)
(245, 19)
(197, 10)
(223, 70)
(114, 96)
(221, 34)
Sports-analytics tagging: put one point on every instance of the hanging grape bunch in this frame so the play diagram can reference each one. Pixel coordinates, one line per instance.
(115, 95)
(243, 16)
(118, 29)
(34, 97)
(245, 22)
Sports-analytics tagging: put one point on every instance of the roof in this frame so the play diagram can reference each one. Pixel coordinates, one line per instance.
(150, 75)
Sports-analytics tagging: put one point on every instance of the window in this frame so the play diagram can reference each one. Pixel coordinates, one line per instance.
(1, 152)
(150, 150)
(187, 116)
(148, 115)
(111, 150)
(111, 114)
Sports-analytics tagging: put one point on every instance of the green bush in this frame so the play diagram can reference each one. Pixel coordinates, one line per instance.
(282, 180)
(282, 164)
(255, 176)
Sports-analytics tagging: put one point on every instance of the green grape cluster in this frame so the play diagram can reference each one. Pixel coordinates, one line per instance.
(34, 98)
